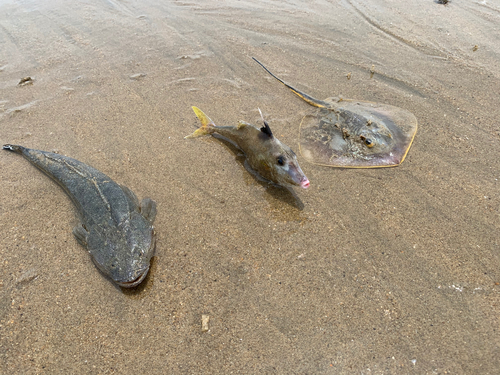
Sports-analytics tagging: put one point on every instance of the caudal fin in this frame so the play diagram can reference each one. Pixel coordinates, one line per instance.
(13, 148)
(207, 125)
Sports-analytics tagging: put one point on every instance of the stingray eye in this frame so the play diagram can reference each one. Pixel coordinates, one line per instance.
(280, 160)
(369, 142)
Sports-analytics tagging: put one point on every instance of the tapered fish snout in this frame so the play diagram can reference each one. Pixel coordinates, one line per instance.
(298, 177)
(304, 184)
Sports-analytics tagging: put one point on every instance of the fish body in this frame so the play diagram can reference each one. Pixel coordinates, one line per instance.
(264, 153)
(352, 133)
(115, 228)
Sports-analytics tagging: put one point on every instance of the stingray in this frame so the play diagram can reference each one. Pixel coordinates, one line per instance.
(351, 133)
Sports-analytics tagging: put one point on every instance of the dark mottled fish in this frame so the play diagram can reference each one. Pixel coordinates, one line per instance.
(116, 230)
(265, 154)
(352, 133)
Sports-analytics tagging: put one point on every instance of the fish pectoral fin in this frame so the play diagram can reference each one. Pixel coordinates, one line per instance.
(148, 209)
(81, 234)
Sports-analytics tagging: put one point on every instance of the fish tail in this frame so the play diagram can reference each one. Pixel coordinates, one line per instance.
(207, 125)
(307, 98)
(13, 148)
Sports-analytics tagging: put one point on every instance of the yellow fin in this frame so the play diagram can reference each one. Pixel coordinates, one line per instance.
(241, 125)
(205, 120)
(207, 125)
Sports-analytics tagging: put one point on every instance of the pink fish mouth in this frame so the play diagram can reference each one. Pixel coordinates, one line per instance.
(304, 183)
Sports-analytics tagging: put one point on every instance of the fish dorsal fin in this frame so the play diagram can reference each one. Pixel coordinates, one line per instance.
(265, 129)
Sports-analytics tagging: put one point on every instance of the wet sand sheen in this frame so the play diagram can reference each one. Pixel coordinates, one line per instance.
(392, 270)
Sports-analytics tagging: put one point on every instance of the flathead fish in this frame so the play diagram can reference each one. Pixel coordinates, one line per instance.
(115, 228)
(264, 153)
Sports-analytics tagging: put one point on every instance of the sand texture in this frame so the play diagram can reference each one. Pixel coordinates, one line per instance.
(369, 271)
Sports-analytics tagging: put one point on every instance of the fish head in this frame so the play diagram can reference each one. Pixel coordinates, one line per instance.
(278, 163)
(274, 160)
(124, 254)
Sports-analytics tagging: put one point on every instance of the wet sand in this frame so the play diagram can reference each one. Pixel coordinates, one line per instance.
(381, 271)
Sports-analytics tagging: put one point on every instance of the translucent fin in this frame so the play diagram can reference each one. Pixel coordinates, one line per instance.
(339, 137)
(81, 235)
(148, 209)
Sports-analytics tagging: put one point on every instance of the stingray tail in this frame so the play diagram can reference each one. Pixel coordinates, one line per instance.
(207, 125)
(309, 99)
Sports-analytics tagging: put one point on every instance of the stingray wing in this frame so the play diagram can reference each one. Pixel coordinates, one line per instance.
(356, 134)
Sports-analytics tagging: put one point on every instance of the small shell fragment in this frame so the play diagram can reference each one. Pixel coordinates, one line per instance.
(204, 322)
(137, 76)
(27, 277)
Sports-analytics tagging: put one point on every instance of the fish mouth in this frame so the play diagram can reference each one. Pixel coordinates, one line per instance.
(304, 184)
(135, 282)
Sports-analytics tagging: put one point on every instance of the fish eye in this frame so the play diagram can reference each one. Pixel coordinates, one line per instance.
(280, 160)
(368, 142)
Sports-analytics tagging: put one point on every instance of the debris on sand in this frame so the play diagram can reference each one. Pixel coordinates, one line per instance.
(204, 323)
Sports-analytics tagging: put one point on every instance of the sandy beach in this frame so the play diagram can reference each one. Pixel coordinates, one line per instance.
(369, 271)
